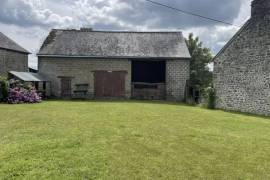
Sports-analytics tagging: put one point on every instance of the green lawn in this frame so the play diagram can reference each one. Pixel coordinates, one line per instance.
(130, 140)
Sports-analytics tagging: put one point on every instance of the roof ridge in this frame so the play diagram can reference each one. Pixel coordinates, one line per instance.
(118, 31)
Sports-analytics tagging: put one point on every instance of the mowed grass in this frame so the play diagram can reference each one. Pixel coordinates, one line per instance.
(130, 140)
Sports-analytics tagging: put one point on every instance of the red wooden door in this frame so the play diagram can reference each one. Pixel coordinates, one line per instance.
(109, 84)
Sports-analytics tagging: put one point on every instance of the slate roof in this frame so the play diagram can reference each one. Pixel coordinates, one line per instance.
(28, 77)
(114, 44)
(7, 43)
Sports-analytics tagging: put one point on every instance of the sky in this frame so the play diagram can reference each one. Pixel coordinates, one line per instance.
(28, 22)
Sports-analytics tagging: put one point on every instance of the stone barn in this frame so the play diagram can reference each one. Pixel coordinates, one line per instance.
(242, 67)
(12, 56)
(101, 64)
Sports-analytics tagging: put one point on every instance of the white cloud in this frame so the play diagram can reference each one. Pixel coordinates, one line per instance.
(29, 21)
(216, 37)
(244, 13)
(99, 12)
(27, 13)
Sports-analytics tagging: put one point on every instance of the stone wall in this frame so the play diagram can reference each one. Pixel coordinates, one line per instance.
(82, 72)
(12, 61)
(242, 70)
(177, 74)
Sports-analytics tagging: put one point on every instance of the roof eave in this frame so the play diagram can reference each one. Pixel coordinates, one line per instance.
(232, 39)
(108, 57)
(32, 77)
(14, 50)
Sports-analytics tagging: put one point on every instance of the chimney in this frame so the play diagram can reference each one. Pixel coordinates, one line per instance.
(86, 29)
(260, 9)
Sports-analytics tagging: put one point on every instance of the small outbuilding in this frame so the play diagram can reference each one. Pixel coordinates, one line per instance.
(12, 56)
(115, 64)
(41, 84)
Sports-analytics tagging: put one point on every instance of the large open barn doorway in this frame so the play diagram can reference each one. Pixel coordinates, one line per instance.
(148, 79)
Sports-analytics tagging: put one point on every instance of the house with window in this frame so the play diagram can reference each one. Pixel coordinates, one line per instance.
(115, 64)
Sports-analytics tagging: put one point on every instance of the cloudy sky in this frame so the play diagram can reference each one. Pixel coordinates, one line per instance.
(29, 21)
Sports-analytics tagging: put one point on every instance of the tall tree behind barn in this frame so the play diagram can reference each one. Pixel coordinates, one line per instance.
(200, 74)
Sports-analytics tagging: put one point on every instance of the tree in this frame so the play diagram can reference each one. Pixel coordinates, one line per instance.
(200, 74)
(3, 89)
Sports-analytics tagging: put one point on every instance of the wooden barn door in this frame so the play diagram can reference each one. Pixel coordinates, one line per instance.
(110, 84)
(66, 87)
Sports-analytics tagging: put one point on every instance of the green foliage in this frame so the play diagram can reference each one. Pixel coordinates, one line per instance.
(200, 74)
(130, 140)
(209, 98)
(3, 89)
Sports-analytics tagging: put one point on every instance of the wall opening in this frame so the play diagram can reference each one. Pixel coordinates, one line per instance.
(149, 71)
(148, 79)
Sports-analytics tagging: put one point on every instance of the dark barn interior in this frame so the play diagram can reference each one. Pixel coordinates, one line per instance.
(148, 79)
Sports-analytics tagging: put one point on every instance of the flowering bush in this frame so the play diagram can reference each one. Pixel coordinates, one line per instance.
(18, 94)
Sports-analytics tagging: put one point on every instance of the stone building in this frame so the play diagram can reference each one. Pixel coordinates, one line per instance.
(101, 64)
(242, 67)
(12, 56)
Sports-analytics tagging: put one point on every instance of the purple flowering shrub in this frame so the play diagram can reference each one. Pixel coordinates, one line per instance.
(18, 94)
